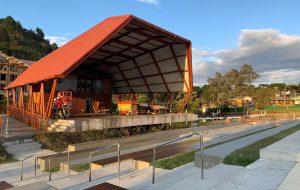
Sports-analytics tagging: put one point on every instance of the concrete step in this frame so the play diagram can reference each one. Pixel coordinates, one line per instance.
(292, 181)
(60, 127)
(212, 176)
(35, 186)
(191, 178)
(138, 179)
(56, 129)
(262, 174)
(9, 143)
(22, 147)
(66, 121)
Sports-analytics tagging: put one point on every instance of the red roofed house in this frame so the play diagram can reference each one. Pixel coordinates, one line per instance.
(120, 55)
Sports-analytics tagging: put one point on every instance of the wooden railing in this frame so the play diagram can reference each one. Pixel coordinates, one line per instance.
(26, 117)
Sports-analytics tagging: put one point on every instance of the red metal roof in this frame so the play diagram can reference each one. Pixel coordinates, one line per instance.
(59, 62)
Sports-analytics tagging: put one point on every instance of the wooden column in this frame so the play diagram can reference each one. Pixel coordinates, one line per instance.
(21, 98)
(190, 66)
(42, 100)
(7, 98)
(50, 101)
(14, 97)
(30, 95)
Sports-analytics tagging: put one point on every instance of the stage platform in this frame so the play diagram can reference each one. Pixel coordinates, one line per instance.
(117, 121)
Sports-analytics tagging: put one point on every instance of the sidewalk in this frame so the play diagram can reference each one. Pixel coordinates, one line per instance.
(15, 129)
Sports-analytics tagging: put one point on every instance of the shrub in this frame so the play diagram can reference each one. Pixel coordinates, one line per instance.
(4, 156)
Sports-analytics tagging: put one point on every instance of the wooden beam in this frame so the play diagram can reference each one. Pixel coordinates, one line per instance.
(178, 67)
(126, 49)
(159, 71)
(148, 64)
(159, 30)
(111, 53)
(141, 73)
(169, 72)
(156, 38)
(129, 45)
(124, 77)
(158, 83)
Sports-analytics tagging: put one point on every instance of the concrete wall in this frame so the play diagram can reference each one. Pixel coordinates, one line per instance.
(84, 124)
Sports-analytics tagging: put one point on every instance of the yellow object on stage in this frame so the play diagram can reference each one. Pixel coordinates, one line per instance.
(36, 97)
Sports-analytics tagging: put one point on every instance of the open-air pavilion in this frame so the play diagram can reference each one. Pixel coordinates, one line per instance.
(120, 55)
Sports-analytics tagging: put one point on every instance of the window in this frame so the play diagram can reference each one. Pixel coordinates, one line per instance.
(85, 85)
(3, 76)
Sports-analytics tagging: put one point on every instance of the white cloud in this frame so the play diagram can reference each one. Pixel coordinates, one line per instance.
(59, 40)
(289, 76)
(151, 2)
(272, 54)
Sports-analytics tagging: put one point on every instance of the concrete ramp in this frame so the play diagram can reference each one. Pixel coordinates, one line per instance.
(287, 149)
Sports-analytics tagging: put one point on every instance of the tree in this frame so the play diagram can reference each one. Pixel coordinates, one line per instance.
(23, 43)
(278, 86)
(40, 33)
(224, 89)
(263, 96)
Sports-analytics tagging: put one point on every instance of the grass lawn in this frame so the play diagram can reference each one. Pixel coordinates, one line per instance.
(283, 108)
(80, 167)
(250, 153)
(4, 156)
(53, 170)
(176, 161)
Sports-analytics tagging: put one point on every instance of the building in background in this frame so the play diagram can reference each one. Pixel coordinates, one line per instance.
(10, 69)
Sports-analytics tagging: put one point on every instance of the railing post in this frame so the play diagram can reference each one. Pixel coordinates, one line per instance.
(90, 167)
(172, 141)
(202, 156)
(69, 165)
(49, 169)
(119, 164)
(21, 170)
(35, 163)
(153, 165)
(6, 126)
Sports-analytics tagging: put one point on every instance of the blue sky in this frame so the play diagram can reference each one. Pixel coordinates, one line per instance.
(213, 26)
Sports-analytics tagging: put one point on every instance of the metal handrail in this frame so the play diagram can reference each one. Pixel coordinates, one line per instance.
(49, 163)
(175, 140)
(22, 164)
(102, 148)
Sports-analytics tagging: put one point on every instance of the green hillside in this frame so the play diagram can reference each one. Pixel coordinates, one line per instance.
(22, 43)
